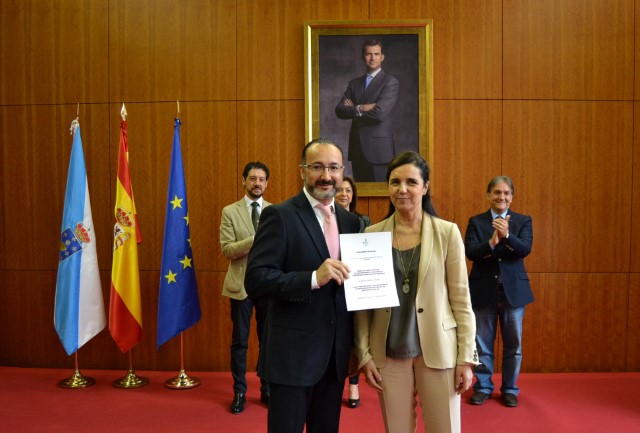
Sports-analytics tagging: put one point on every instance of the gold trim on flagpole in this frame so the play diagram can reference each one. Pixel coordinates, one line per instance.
(131, 380)
(77, 380)
(182, 381)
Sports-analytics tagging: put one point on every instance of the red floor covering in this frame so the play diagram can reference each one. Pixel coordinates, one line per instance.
(31, 401)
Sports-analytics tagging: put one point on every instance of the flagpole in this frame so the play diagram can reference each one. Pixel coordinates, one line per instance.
(131, 379)
(77, 380)
(182, 380)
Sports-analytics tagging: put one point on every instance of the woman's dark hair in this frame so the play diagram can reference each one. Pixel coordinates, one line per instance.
(354, 196)
(418, 161)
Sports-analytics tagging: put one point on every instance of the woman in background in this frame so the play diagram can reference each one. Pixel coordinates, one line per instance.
(347, 197)
(426, 345)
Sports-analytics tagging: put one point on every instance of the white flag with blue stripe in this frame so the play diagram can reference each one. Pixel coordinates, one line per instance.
(79, 308)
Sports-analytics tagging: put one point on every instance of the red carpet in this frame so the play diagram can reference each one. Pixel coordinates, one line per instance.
(31, 401)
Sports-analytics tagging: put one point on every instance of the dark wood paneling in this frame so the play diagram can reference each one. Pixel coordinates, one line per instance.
(53, 52)
(574, 163)
(555, 153)
(162, 50)
(270, 52)
(578, 322)
(467, 43)
(635, 196)
(26, 314)
(633, 337)
(273, 132)
(637, 55)
(563, 49)
(467, 156)
(210, 155)
(35, 161)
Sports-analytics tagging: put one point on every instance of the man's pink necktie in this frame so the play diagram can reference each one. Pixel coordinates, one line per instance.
(331, 234)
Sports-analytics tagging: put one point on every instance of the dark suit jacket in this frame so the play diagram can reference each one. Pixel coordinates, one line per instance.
(506, 260)
(304, 327)
(374, 129)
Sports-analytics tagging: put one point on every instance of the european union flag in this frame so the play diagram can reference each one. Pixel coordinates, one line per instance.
(178, 302)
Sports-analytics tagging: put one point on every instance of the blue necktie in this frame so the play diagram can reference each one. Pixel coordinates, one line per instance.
(367, 81)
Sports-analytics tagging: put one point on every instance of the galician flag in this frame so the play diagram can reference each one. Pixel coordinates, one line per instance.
(178, 302)
(125, 313)
(79, 309)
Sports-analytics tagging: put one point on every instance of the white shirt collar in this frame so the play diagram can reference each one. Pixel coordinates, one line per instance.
(496, 215)
(248, 201)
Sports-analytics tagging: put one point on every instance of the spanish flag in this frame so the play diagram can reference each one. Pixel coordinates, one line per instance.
(125, 313)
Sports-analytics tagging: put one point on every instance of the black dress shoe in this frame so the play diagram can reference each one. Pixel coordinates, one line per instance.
(265, 396)
(353, 403)
(238, 403)
(509, 400)
(479, 398)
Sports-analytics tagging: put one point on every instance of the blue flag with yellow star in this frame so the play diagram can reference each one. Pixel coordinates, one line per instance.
(178, 302)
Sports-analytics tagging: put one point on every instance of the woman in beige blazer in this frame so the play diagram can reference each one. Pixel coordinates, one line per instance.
(426, 346)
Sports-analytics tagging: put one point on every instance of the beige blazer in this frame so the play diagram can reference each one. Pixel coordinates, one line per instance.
(446, 323)
(236, 239)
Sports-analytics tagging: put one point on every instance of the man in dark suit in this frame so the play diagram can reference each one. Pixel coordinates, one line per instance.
(368, 102)
(237, 229)
(497, 241)
(308, 335)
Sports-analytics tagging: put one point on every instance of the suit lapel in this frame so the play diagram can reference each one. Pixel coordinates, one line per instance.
(426, 247)
(310, 222)
(374, 84)
(241, 209)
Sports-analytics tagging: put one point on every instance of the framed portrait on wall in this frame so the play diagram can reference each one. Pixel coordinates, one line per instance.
(369, 88)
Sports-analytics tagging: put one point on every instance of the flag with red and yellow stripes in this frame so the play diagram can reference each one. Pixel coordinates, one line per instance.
(125, 313)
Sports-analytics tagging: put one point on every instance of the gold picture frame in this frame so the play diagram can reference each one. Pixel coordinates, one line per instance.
(333, 59)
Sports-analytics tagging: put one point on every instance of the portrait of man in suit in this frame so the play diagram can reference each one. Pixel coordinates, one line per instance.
(237, 229)
(371, 125)
(368, 103)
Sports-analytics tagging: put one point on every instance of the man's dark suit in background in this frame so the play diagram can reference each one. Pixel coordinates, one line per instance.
(497, 241)
(308, 336)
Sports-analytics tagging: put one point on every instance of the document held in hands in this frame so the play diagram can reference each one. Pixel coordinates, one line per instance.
(372, 282)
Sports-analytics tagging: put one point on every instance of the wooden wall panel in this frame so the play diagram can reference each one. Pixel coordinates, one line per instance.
(207, 343)
(273, 132)
(574, 161)
(563, 49)
(467, 43)
(35, 161)
(578, 322)
(26, 314)
(635, 197)
(210, 154)
(555, 152)
(467, 156)
(208, 143)
(270, 52)
(53, 52)
(162, 50)
(637, 55)
(633, 337)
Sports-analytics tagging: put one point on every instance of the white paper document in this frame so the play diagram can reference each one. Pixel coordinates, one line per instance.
(372, 282)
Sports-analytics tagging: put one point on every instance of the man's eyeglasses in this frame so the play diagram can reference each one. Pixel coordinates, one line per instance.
(319, 168)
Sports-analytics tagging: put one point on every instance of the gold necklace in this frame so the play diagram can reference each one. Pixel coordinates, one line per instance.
(405, 284)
